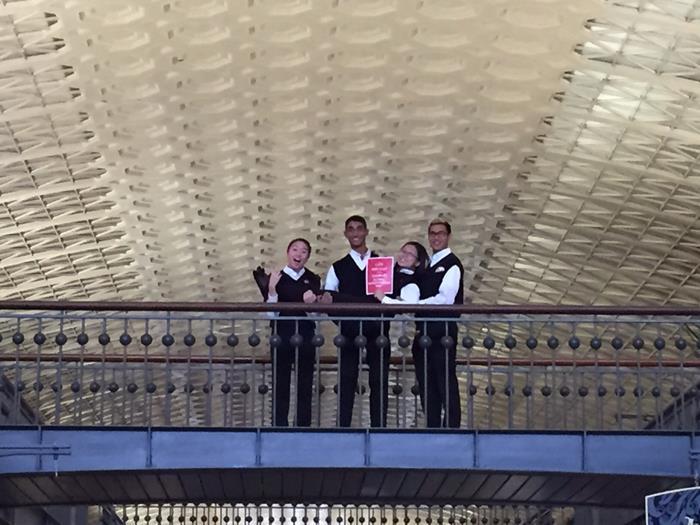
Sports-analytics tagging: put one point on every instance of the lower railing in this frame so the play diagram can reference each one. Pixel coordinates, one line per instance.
(238, 365)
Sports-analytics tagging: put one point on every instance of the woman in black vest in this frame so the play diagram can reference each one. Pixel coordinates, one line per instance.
(411, 261)
(293, 284)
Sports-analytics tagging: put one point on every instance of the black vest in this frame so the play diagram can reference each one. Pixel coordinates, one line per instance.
(291, 291)
(401, 279)
(432, 279)
(351, 280)
(351, 289)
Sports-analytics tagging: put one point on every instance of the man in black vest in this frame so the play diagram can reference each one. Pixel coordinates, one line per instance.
(435, 364)
(345, 281)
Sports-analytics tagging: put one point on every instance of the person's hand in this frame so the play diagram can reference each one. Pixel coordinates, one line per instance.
(309, 297)
(379, 295)
(325, 298)
(275, 277)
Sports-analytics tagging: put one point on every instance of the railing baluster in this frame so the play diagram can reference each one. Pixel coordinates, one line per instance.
(17, 339)
(210, 341)
(39, 339)
(317, 364)
(168, 340)
(125, 339)
(148, 390)
(57, 386)
(82, 340)
(232, 341)
(510, 381)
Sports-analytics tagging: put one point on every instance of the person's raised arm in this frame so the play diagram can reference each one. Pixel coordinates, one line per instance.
(275, 276)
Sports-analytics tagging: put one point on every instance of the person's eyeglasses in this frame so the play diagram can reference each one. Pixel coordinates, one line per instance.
(440, 233)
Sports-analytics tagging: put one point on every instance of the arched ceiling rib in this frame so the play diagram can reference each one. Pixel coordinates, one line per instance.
(160, 149)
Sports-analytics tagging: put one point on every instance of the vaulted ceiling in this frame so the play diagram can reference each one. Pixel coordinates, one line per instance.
(160, 149)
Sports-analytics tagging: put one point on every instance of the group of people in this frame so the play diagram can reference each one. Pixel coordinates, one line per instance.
(419, 278)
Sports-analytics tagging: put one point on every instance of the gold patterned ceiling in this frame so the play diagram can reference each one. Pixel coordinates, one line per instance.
(160, 149)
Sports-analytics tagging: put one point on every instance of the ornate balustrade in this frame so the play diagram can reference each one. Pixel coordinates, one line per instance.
(209, 365)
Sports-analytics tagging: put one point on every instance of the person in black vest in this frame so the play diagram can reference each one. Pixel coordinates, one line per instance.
(436, 365)
(345, 283)
(411, 261)
(294, 283)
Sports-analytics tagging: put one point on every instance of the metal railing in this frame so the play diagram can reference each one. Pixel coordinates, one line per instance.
(221, 365)
(346, 514)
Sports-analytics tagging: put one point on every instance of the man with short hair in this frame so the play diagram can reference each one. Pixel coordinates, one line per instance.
(345, 281)
(436, 364)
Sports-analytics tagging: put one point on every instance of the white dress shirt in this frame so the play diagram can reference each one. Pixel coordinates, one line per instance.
(332, 283)
(450, 282)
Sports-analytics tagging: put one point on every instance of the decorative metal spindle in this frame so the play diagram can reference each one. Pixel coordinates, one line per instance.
(58, 383)
(18, 338)
(210, 341)
(39, 340)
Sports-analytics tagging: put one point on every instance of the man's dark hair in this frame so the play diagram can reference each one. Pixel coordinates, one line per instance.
(442, 222)
(300, 239)
(356, 218)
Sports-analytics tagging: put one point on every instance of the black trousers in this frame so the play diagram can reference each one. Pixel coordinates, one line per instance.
(284, 358)
(378, 362)
(436, 372)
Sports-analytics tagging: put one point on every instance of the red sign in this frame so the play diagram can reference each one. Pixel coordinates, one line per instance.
(379, 275)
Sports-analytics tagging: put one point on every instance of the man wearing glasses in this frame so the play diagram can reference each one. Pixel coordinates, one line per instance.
(436, 362)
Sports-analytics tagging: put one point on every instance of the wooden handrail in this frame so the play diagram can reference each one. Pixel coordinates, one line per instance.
(347, 308)
(331, 360)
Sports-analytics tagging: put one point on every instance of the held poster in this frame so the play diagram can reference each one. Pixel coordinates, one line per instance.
(379, 275)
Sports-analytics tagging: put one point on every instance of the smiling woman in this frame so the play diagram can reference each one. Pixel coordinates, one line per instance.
(293, 283)
(411, 262)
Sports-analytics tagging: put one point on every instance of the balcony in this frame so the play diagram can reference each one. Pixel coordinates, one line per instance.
(558, 406)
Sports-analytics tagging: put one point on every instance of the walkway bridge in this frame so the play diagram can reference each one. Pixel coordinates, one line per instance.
(152, 404)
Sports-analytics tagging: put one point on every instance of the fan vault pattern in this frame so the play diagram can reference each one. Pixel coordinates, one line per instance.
(166, 146)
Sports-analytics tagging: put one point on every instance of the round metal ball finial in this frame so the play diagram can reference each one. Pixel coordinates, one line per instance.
(382, 341)
(424, 342)
(447, 342)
